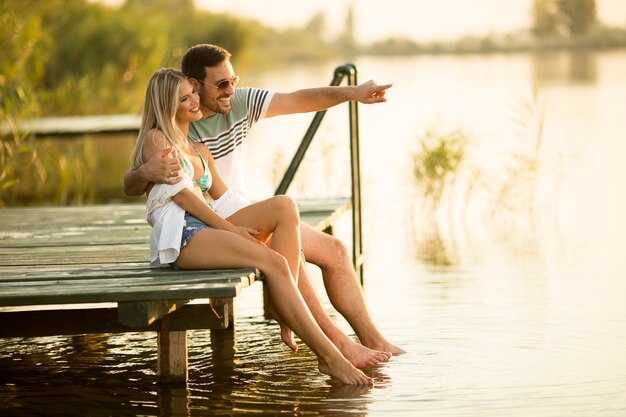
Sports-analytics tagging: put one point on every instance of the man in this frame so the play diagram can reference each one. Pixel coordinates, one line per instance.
(228, 114)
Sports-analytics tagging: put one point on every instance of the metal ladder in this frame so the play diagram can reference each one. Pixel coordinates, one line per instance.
(349, 72)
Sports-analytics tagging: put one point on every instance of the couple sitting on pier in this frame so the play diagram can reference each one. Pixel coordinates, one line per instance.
(195, 121)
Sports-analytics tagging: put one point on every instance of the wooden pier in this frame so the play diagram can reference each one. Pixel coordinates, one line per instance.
(77, 125)
(77, 270)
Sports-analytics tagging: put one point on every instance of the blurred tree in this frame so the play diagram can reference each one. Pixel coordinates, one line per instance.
(236, 35)
(347, 40)
(578, 16)
(563, 17)
(316, 26)
(171, 7)
(545, 17)
(292, 44)
(100, 58)
(92, 58)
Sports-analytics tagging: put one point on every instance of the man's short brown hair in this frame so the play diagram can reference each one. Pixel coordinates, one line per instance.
(198, 57)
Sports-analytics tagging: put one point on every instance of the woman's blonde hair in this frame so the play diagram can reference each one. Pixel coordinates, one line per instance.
(159, 112)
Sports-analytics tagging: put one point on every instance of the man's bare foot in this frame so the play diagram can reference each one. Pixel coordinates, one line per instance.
(344, 372)
(362, 356)
(384, 346)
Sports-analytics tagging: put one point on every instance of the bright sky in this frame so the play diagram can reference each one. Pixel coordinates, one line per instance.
(418, 19)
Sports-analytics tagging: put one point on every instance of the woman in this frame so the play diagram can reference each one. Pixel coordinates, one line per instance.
(188, 234)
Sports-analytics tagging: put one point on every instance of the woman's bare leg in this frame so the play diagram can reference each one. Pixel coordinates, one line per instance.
(279, 218)
(210, 248)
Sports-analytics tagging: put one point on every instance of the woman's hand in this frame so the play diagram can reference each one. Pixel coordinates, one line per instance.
(248, 233)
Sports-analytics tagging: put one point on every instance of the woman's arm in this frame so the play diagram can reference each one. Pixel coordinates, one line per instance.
(197, 207)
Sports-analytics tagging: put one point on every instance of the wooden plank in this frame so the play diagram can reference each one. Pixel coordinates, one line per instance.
(65, 255)
(137, 271)
(50, 237)
(144, 313)
(118, 284)
(102, 291)
(19, 271)
(78, 125)
(57, 321)
(138, 275)
(94, 215)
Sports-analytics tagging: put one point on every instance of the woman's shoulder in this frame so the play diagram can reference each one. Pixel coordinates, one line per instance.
(204, 150)
(155, 139)
(155, 135)
(154, 142)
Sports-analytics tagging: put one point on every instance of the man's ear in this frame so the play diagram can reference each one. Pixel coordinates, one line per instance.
(195, 83)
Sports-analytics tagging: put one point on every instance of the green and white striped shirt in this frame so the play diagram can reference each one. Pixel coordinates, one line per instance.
(226, 135)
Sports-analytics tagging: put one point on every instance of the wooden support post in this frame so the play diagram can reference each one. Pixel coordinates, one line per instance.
(227, 307)
(172, 354)
(174, 400)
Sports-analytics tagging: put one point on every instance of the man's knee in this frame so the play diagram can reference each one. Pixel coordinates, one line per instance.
(337, 247)
(324, 250)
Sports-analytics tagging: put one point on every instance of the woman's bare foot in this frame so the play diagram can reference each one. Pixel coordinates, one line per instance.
(362, 356)
(285, 332)
(287, 335)
(344, 372)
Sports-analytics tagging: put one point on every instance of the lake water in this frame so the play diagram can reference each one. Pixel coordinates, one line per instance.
(509, 298)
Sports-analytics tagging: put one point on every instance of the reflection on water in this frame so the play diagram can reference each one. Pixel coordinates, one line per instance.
(114, 375)
(566, 68)
(500, 318)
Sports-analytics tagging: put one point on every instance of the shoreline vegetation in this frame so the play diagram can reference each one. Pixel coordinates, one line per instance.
(84, 57)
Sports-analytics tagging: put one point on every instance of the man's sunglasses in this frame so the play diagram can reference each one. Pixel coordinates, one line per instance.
(224, 84)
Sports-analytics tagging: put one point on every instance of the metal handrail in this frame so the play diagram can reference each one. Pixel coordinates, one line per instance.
(341, 72)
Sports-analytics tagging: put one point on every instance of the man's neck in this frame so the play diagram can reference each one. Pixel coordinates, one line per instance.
(206, 113)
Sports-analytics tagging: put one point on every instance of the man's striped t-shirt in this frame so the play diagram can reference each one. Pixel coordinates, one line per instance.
(226, 134)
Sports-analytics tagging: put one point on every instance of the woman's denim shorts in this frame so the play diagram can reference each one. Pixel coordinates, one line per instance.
(190, 228)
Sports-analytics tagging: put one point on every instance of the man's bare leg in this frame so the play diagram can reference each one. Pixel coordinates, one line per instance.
(359, 355)
(342, 287)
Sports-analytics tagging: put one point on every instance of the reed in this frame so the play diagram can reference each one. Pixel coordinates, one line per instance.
(515, 195)
(16, 154)
(54, 172)
(437, 162)
(16, 148)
